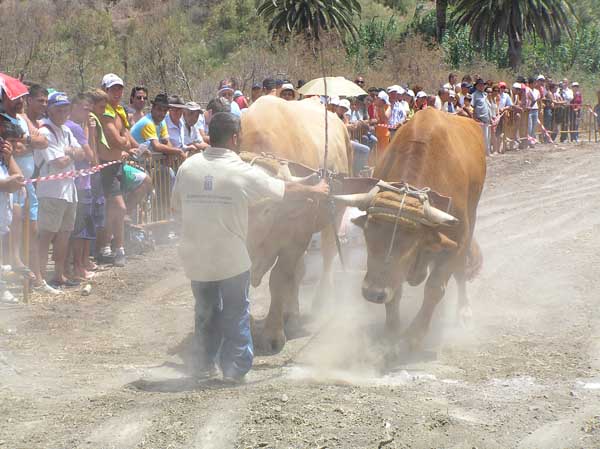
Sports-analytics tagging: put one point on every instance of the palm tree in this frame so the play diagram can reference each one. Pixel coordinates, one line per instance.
(441, 6)
(493, 20)
(310, 17)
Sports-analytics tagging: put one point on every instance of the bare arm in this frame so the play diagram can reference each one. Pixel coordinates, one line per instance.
(297, 191)
(15, 179)
(116, 140)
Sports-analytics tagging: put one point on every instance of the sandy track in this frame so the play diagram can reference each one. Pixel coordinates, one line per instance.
(108, 371)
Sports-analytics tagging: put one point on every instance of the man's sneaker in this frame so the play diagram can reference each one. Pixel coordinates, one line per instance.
(45, 288)
(120, 259)
(8, 298)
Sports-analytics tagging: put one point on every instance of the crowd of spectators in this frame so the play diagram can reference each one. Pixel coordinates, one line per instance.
(82, 218)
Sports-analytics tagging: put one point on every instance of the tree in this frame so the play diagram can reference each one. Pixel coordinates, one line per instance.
(441, 6)
(310, 17)
(492, 21)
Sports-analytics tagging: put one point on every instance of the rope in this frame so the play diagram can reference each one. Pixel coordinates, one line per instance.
(73, 173)
(391, 247)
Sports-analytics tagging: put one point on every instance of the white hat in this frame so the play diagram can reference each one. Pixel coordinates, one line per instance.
(394, 88)
(382, 95)
(344, 104)
(335, 101)
(421, 94)
(541, 78)
(287, 86)
(517, 86)
(193, 106)
(110, 79)
(411, 93)
(574, 84)
(452, 93)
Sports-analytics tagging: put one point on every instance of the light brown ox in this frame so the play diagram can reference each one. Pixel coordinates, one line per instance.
(279, 233)
(445, 153)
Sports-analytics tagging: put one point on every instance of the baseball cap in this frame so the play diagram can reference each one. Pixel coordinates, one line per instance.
(256, 86)
(574, 84)
(540, 78)
(193, 106)
(58, 99)
(287, 86)
(225, 88)
(411, 93)
(465, 85)
(384, 96)
(421, 94)
(452, 94)
(479, 81)
(501, 84)
(238, 93)
(268, 84)
(394, 88)
(110, 79)
(334, 101)
(517, 86)
(344, 104)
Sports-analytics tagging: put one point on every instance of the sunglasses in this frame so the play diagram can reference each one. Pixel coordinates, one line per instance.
(141, 97)
(359, 82)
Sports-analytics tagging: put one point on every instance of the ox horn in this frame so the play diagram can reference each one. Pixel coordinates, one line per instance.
(286, 175)
(359, 200)
(437, 216)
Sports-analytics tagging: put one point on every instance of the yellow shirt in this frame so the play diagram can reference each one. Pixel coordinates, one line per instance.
(120, 110)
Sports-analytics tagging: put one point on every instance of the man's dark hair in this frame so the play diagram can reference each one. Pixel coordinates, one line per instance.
(10, 129)
(451, 76)
(37, 89)
(135, 90)
(531, 80)
(222, 126)
(219, 104)
(269, 84)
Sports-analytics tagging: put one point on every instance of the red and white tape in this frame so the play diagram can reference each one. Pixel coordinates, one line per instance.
(73, 173)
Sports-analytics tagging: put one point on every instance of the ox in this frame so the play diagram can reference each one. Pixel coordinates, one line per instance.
(279, 233)
(446, 154)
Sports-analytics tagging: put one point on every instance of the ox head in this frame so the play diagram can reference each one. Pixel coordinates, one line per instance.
(401, 255)
(275, 224)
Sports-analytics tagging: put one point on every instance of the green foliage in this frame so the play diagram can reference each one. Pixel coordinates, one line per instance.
(310, 17)
(368, 48)
(424, 21)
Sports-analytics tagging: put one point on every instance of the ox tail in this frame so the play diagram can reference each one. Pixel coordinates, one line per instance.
(474, 261)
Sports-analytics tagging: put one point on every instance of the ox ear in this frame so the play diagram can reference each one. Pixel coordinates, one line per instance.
(360, 221)
(438, 242)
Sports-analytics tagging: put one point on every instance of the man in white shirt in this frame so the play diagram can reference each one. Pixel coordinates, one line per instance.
(192, 140)
(57, 198)
(212, 193)
(174, 122)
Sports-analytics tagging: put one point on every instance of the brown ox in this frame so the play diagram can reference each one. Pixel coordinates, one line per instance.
(279, 233)
(445, 153)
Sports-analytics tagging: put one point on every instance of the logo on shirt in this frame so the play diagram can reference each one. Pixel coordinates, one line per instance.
(208, 183)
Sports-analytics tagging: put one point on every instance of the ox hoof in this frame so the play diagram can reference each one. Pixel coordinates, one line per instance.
(414, 337)
(269, 341)
(464, 317)
(295, 328)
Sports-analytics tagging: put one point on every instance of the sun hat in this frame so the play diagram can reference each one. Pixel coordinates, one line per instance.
(193, 106)
(175, 101)
(58, 99)
(382, 95)
(110, 79)
(344, 104)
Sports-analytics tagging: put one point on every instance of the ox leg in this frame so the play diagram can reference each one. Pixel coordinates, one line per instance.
(328, 253)
(435, 288)
(464, 314)
(284, 291)
(291, 309)
(392, 316)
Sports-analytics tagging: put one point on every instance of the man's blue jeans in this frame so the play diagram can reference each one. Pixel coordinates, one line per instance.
(222, 322)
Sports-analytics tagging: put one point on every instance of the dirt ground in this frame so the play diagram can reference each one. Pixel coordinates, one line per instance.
(108, 370)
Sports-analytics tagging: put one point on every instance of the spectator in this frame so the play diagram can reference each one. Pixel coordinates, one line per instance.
(383, 113)
(360, 151)
(255, 93)
(466, 110)
(597, 108)
(240, 99)
(421, 101)
(137, 101)
(576, 105)
(173, 121)
(11, 180)
(450, 105)
(84, 230)
(397, 115)
(493, 99)
(192, 140)
(548, 111)
(409, 103)
(57, 198)
(287, 92)
(120, 144)
(452, 83)
(441, 100)
(269, 87)
(482, 112)
(504, 100)
(226, 91)
(534, 111)
(23, 150)
(360, 81)
(370, 101)
(465, 88)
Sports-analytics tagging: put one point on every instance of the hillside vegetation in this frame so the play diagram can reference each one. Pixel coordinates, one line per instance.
(187, 46)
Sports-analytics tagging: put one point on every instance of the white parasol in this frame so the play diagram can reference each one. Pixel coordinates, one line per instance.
(337, 86)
